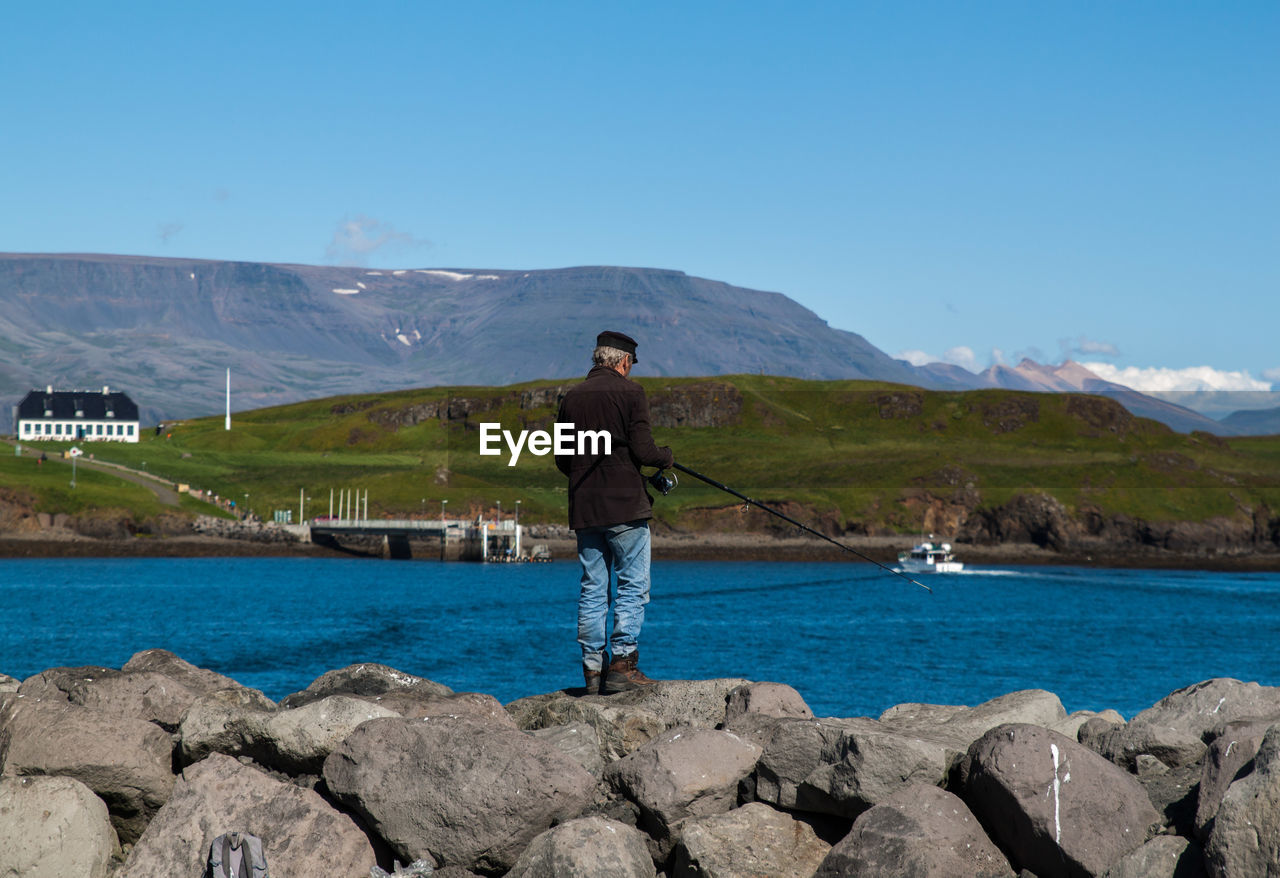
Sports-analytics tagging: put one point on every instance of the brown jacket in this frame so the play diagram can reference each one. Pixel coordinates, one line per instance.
(605, 490)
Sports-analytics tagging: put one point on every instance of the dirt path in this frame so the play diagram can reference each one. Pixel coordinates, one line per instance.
(163, 489)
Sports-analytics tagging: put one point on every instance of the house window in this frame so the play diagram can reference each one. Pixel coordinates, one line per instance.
(26, 428)
(57, 428)
(48, 428)
(131, 429)
(99, 429)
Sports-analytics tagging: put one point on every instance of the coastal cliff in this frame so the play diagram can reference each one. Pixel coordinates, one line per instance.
(132, 772)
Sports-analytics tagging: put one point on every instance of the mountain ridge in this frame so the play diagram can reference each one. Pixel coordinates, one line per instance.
(165, 329)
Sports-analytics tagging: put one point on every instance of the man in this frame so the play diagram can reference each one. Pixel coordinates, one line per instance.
(609, 511)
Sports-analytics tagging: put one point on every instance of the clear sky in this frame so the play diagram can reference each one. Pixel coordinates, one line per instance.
(976, 181)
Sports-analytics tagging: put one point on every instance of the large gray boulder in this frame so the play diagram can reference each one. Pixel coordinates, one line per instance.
(161, 661)
(1052, 805)
(302, 835)
(457, 791)
(754, 841)
(54, 684)
(473, 705)
(224, 721)
(136, 694)
(1232, 749)
(1165, 856)
(1175, 729)
(627, 720)
(920, 831)
(53, 827)
(298, 741)
(766, 699)
(683, 772)
(960, 726)
(586, 846)
(370, 681)
(1245, 840)
(9, 684)
(844, 766)
(127, 762)
(239, 722)
(579, 741)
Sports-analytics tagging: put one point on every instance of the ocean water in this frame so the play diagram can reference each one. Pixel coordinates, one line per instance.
(851, 638)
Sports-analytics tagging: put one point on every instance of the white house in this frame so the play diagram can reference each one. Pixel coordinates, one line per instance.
(77, 416)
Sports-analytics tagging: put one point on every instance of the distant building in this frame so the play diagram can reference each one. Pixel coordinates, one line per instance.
(77, 415)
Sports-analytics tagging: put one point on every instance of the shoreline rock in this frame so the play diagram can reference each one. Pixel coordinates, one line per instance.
(370, 767)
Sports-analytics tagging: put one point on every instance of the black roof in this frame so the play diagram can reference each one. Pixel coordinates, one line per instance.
(93, 404)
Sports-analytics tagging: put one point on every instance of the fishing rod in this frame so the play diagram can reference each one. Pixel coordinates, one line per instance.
(713, 483)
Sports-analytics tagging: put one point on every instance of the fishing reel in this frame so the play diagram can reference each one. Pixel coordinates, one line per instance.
(662, 482)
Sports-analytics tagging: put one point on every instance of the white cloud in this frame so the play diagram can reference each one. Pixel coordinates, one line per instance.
(1272, 375)
(354, 239)
(1087, 347)
(916, 358)
(1161, 379)
(961, 356)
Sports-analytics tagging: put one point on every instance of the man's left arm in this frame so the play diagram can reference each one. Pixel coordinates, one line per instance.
(643, 449)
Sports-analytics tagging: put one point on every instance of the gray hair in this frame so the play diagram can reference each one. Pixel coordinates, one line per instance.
(607, 356)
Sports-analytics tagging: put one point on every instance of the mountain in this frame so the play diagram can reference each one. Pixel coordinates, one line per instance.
(165, 330)
(1254, 422)
(1071, 377)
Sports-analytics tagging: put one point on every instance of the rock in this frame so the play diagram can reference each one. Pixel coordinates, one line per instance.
(53, 827)
(961, 726)
(766, 699)
(367, 680)
(127, 762)
(302, 835)
(1071, 725)
(920, 831)
(620, 728)
(161, 661)
(461, 792)
(139, 694)
(1173, 792)
(579, 741)
(54, 684)
(1052, 805)
(627, 720)
(224, 721)
(1175, 728)
(297, 741)
(683, 772)
(754, 841)
(8, 684)
(1245, 840)
(844, 766)
(1231, 752)
(473, 705)
(1165, 856)
(586, 846)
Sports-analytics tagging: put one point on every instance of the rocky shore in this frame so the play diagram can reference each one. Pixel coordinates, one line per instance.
(132, 772)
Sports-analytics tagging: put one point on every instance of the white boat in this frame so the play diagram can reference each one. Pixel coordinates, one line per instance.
(929, 558)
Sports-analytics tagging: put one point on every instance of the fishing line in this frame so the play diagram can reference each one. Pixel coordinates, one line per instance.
(804, 527)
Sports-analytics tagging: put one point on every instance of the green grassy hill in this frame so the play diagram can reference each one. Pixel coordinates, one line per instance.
(849, 455)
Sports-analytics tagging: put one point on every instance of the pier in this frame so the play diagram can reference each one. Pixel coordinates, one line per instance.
(467, 540)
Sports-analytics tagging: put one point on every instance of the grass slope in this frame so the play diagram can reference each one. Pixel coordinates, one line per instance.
(851, 454)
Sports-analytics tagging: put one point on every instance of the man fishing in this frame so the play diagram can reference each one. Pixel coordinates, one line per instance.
(609, 512)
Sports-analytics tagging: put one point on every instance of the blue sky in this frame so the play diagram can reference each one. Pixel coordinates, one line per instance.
(974, 181)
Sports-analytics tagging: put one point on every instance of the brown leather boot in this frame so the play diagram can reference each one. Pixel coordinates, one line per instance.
(592, 678)
(624, 674)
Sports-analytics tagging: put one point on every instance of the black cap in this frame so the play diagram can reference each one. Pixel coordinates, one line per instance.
(624, 343)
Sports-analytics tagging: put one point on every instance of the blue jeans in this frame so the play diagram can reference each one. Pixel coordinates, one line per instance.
(622, 549)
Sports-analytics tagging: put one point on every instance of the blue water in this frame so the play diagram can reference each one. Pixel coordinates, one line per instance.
(852, 639)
